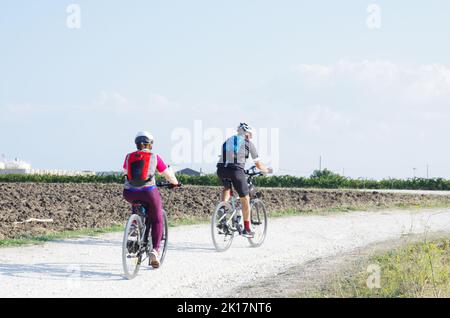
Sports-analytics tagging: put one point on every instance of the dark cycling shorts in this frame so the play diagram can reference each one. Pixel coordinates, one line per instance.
(237, 177)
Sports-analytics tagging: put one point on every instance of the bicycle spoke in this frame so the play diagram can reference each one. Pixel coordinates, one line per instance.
(132, 246)
(221, 230)
(259, 222)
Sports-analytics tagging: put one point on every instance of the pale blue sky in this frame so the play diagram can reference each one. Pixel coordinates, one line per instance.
(73, 99)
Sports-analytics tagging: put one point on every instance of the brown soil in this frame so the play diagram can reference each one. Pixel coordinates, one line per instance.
(89, 205)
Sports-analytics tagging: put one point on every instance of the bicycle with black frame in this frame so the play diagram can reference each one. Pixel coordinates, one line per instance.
(136, 246)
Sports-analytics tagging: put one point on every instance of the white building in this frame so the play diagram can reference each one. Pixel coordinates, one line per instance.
(14, 167)
(22, 167)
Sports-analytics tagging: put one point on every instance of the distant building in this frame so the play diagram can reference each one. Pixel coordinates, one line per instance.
(22, 167)
(190, 172)
(14, 167)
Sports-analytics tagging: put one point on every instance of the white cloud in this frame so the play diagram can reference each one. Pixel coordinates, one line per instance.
(374, 118)
(110, 101)
(416, 84)
(159, 100)
(22, 111)
(319, 117)
(429, 82)
(315, 74)
(19, 109)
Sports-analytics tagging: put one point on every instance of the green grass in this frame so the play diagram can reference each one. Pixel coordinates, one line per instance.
(25, 239)
(189, 220)
(323, 179)
(419, 270)
(32, 240)
(361, 207)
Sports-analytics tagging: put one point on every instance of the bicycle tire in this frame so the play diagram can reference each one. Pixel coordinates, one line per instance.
(216, 236)
(165, 238)
(258, 216)
(131, 274)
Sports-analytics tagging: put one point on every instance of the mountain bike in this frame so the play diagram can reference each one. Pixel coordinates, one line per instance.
(136, 246)
(227, 220)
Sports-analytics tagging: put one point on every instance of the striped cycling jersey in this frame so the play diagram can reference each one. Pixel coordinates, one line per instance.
(235, 152)
(156, 165)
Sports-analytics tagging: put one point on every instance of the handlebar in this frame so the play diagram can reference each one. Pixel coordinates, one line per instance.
(168, 185)
(252, 172)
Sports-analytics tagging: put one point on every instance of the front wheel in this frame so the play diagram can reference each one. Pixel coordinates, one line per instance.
(131, 246)
(164, 239)
(221, 227)
(258, 215)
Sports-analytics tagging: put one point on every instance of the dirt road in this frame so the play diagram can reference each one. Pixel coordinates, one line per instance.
(91, 266)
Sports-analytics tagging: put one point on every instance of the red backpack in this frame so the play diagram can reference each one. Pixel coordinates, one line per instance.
(138, 168)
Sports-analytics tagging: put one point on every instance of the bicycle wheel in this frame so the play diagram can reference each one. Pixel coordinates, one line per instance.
(258, 216)
(164, 239)
(131, 246)
(221, 227)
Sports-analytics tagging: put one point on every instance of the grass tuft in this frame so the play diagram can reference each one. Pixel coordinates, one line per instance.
(420, 270)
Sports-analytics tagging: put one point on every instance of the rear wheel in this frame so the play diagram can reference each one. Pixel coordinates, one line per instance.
(258, 217)
(221, 227)
(132, 246)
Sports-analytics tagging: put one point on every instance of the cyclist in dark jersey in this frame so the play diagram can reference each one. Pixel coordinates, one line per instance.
(235, 152)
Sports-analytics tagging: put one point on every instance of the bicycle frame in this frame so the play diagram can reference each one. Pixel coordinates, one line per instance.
(232, 223)
(251, 173)
(228, 217)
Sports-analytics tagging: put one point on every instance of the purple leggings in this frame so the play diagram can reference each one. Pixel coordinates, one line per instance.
(154, 211)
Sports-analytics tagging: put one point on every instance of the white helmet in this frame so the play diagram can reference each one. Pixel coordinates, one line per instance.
(143, 137)
(243, 127)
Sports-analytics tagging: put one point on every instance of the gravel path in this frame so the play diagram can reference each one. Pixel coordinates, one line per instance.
(91, 266)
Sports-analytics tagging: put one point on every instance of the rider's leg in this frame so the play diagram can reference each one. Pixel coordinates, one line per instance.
(155, 216)
(241, 185)
(223, 177)
(130, 197)
(154, 211)
(226, 194)
(245, 202)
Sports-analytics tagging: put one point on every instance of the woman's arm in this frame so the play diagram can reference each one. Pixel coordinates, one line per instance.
(170, 176)
(166, 172)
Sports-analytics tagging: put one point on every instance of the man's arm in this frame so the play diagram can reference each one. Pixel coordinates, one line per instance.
(258, 162)
(263, 167)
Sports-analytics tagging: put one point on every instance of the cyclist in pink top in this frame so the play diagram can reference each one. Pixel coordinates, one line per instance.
(140, 168)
